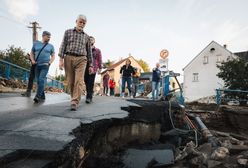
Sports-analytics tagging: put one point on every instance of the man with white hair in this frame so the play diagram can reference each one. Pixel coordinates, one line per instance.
(75, 52)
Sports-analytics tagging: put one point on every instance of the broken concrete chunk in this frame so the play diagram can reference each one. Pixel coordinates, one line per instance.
(199, 160)
(226, 143)
(245, 154)
(220, 153)
(213, 163)
(234, 149)
(236, 141)
(243, 162)
(206, 148)
(189, 149)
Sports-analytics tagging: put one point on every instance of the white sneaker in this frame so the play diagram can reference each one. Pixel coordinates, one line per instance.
(131, 97)
(123, 96)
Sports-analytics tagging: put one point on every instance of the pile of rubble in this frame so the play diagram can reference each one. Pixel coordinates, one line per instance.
(11, 85)
(231, 152)
(53, 89)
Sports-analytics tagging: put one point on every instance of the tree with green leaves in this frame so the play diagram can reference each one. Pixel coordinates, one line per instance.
(16, 55)
(60, 77)
(234, 73)
(144, 65)
(108, 63)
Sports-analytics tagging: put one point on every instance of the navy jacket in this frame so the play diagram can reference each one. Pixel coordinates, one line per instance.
(156, 73)
(127, 71)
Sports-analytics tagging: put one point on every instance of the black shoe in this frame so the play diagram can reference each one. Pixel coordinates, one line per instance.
(73, 107)
(88, 101)
(26, 94)
(36, 100)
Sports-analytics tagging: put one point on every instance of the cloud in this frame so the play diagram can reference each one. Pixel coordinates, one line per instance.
(230, 31)
(21, 9)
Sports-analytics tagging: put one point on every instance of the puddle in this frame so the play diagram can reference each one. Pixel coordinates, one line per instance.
(148, 158)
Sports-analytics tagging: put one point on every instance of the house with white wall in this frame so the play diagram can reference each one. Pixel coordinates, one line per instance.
(200, 78)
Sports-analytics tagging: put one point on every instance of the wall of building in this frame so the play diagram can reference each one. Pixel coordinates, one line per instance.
(207, 80)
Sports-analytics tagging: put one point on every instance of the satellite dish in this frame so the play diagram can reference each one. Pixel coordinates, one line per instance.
(164, 53)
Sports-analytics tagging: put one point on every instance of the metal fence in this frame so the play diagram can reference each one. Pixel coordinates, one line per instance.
(12, 71)
(227, 95)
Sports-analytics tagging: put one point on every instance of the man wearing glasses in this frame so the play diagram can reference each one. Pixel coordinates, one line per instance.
(75, 52)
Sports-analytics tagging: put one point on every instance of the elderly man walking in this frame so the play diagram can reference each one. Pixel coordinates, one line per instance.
(75, 53)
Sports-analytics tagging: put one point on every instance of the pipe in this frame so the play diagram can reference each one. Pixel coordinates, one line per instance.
(205, 132)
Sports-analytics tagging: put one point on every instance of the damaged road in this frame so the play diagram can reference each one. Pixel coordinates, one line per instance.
(141, 133)
(149, 138)
(45, 127)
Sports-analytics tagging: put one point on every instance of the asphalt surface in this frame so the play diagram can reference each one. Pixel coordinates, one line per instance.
(47, 126)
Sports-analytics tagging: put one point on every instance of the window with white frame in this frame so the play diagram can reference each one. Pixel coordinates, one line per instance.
(219, 58)
(205, 60)
(195, 77)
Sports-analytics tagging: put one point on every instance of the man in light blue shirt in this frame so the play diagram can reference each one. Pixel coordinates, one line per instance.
(42, 55)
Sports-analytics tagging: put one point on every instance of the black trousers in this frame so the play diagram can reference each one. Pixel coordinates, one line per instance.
(89, 80)
(105, 90)
(31, 78)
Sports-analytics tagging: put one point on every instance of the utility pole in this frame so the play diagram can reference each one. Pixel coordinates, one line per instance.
(34, 27)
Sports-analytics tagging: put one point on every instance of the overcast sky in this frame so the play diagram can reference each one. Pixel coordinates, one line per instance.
(140, 27)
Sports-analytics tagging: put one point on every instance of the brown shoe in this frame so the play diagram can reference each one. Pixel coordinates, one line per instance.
(73, 107)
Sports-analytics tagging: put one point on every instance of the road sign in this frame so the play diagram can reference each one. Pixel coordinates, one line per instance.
(163, 65)
(164, 54)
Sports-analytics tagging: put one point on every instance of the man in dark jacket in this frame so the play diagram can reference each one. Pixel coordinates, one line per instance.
(156, 75)
(127, 70)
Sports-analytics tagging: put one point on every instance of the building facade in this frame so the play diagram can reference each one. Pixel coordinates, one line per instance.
(200, 75)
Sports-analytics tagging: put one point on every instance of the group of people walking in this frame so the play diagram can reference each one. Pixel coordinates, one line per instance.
(129, 77)
(80, 59)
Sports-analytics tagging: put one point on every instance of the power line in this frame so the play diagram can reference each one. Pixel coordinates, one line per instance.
(12, 20)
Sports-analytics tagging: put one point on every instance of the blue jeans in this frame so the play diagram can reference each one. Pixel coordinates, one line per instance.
(129, 82)
(155, 90)
(40, 74)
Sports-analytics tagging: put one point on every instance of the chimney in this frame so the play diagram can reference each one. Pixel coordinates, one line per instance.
(225, 46)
